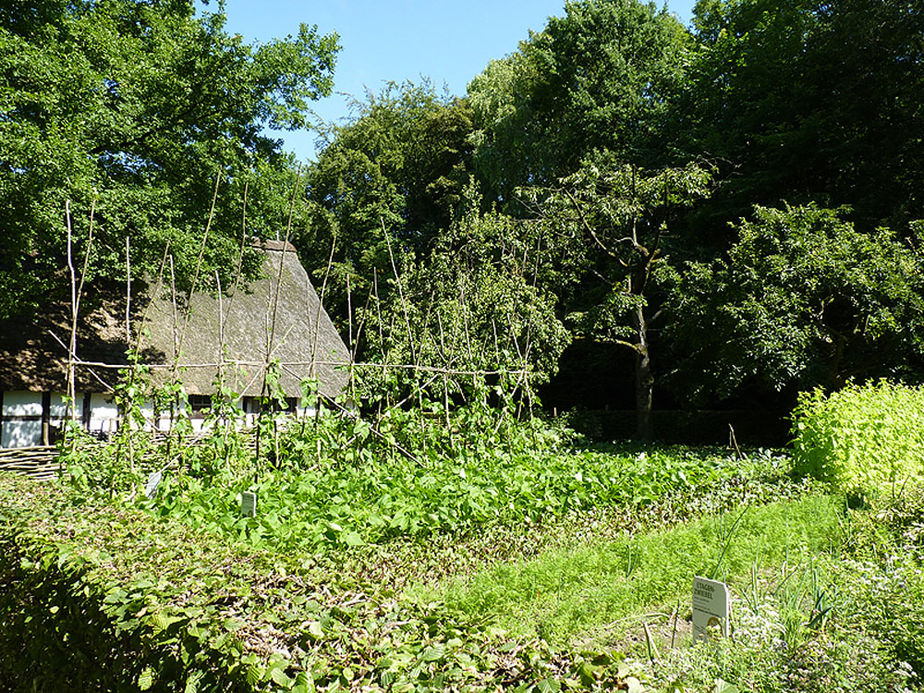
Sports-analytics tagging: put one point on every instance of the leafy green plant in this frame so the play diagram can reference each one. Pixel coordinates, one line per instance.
(346, 498)
(865, 439)
(88, 600)
(886, 572)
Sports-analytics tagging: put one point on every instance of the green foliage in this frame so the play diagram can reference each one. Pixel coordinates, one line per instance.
(180, 604)
(433, 280)
(100, 590)
(843, 621)
(400, 165)
(335, 477)
(863, 439)
(583, 591)
(121, 465)
(479, 300)
(613, 221)
(886, 562)
(165, 604)
(132, 109)
(345, 499)
(595, 79)
(775, 94)
(801, 299)
(778, 644)
(762, 95)
(122, 600)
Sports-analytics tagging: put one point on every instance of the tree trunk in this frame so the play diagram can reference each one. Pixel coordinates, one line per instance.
(644, 382)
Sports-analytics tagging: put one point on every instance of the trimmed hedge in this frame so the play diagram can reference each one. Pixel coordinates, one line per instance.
(864, 440)
(100, 599)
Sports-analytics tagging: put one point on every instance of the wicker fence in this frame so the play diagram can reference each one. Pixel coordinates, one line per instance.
(39, 462)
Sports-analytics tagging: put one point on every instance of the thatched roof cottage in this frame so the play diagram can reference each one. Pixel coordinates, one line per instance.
(240, 325)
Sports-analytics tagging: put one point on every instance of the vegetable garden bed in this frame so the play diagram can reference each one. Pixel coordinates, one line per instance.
(232, 603)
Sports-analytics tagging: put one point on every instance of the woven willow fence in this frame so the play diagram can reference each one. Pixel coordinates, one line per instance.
(39, 462)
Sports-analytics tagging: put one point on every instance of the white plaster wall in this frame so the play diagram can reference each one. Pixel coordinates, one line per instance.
(21, 434)
(104, 415)
(161, 423)
(58, 408)
(22, 403)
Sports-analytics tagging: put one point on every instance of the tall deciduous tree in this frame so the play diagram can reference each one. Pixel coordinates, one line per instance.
(401, 165)
(136, 108)
(809, 100)
(597, 78)
(616, 221)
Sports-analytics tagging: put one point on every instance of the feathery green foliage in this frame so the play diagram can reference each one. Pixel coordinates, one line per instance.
(863, 439)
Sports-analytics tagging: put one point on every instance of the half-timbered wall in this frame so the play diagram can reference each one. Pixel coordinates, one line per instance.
(35, 418)
(30, 418)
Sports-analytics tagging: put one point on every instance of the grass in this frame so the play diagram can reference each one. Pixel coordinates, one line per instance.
(564, 594)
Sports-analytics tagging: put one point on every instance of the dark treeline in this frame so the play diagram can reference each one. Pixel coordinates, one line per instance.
(707, 217)
(728, 211)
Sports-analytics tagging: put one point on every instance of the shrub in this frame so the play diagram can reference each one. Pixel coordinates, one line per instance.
(864, 439)
(95, 599)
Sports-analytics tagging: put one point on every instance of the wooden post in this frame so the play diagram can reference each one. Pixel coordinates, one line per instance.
(76, 294)
(87, 410)
(46, 418)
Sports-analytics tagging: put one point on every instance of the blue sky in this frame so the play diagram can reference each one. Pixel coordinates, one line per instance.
(396, 40)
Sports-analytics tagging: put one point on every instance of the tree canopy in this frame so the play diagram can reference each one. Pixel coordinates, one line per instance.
(597, 78)
(806, 100)
(640, 149)
(734, 202)
(802, 298)
(134, 109)
(615, 224)
(400, 165)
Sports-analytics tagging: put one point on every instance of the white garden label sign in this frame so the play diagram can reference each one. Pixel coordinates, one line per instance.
(150, 488)
(248, 504)
(710, 607)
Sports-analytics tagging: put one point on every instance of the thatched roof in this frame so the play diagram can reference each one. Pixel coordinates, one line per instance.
(302, 338)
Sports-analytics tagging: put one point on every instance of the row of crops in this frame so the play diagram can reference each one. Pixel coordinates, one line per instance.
(331, 505)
